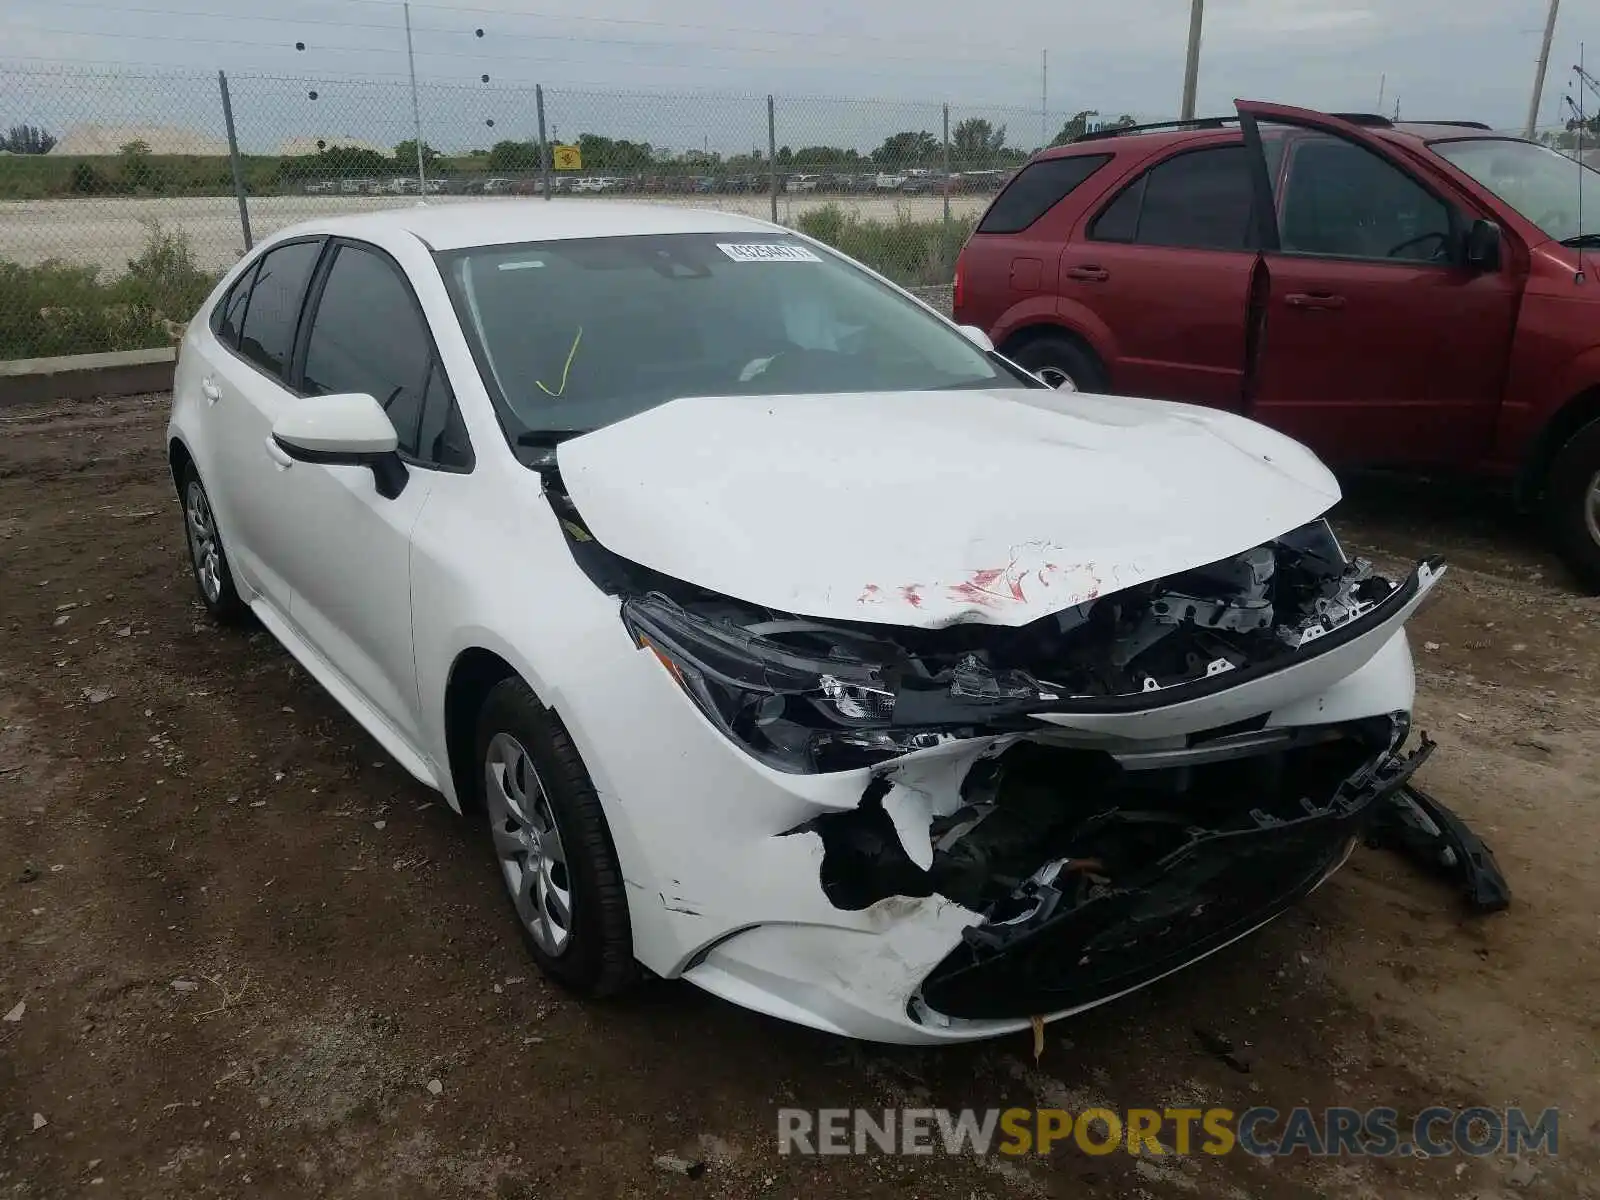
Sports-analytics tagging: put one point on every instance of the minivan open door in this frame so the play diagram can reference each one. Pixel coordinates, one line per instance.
(1378, 342)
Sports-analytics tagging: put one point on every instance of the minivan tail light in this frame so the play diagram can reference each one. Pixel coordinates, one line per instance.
(958, 288)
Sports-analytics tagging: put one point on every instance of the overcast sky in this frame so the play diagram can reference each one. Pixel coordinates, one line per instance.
(1440, 58)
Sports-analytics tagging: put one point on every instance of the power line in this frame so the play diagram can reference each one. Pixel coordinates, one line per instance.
(853, 38)
(943, 64)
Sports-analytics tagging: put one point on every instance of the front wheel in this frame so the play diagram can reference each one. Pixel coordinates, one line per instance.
(1063, 363)
(1574, 504)
(552, 845)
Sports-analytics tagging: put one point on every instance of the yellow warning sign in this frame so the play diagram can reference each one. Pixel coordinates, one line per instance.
(568, 158)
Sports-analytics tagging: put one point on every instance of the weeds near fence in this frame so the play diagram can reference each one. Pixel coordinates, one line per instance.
(56, 308)
(909, 251)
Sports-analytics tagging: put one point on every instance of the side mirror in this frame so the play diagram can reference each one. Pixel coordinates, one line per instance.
(1483, 246)
(345, 429)
(978, 338)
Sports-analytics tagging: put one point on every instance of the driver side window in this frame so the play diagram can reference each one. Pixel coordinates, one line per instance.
(1340, 200)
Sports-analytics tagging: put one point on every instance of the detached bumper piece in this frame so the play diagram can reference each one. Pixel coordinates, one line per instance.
(1413, 822)
(1081, 937)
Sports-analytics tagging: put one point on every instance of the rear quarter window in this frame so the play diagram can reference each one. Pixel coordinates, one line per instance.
(1038, 188)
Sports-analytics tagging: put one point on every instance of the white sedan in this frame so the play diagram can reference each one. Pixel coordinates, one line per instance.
(791, 641)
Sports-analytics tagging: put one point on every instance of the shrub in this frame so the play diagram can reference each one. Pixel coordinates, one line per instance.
(909, 251)
(58, 308)
(87, 180)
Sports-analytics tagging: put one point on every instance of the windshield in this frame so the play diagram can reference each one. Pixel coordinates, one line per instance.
(1538, 182)
(572, 335)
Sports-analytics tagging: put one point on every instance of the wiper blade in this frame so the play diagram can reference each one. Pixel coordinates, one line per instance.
(1582, 241)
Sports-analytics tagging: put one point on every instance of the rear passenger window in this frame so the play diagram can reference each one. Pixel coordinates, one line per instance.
(1038, 188)
(272, 309)
(227, 316)
(1201, 199)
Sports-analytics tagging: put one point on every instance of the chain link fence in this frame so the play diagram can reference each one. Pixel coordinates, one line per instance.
(123, 194)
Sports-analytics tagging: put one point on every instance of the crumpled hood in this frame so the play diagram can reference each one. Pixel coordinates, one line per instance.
(933, 508)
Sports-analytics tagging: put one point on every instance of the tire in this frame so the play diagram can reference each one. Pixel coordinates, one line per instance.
(567, 894)
(1061, 361)
(208, 559)
(1573, 504)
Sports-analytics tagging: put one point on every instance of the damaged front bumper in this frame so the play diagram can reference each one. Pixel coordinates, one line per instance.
(1084, 938)
(889, 914)
(1103, 919)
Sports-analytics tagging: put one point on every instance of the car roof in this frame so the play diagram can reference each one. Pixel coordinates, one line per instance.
(445, 224)
(1226, 128)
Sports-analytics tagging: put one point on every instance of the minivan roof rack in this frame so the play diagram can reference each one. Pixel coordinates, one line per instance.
(1455, 124)
(1111, 131)
(1371, 120)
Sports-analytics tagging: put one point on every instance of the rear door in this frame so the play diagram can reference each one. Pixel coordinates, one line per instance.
(1011, 259)
(1165, 267)
(1378, 344)
(244, 391)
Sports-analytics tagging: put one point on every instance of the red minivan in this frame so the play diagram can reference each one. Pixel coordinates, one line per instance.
(1413, 295)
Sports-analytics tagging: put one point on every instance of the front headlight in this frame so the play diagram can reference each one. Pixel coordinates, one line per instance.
(795, 711)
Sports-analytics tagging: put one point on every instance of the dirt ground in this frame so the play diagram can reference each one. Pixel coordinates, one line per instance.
(247, 944)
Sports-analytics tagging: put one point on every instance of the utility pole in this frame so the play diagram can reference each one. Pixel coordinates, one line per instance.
(416, 112)
(1044, 98)
(1382, 79)
(1191, 65)
(1538, 74)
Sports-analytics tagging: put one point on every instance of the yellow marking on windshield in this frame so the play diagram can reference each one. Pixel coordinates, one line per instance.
(566, 370)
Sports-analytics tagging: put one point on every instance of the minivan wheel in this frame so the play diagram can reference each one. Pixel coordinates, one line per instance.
(1574, 504)
(552, 845)
(207, 558)
(1063, 363)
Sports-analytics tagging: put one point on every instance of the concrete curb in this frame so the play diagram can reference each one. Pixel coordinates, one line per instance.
(85, 376)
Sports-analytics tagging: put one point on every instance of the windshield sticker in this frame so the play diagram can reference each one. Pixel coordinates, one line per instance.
(767, 252)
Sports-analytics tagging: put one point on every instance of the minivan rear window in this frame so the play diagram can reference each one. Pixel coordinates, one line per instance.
(1038, 188)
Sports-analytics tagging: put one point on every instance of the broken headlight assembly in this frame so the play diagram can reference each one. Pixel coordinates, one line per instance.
(796, 708)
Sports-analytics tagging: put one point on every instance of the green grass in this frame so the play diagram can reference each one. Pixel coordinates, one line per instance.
(45, 176)
(908, 251)
(56, 308)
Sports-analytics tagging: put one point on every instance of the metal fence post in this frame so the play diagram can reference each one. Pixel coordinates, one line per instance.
(772, 156)
(233, 157)
(544, 146)
(947, 164)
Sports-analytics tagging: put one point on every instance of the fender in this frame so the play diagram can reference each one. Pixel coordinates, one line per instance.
(1067, 315)
(1530, 434)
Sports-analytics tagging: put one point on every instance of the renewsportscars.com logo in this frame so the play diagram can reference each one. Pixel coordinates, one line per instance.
(1262, 1132)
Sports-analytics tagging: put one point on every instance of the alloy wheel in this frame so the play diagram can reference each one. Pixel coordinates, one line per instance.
(204, 547)
(527, 841)
(1057, 378)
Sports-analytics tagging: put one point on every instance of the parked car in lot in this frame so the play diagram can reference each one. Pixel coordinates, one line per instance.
(1414, 295)
(801, 183)
(670, 541)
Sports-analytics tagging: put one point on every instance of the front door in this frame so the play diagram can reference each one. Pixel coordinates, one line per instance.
(344, 549)
(1166, 265)
(1378, 344)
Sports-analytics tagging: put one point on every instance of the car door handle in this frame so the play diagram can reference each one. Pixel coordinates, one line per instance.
(278, 454)
(210, 390)
(1313, 300)
(1088, 274)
